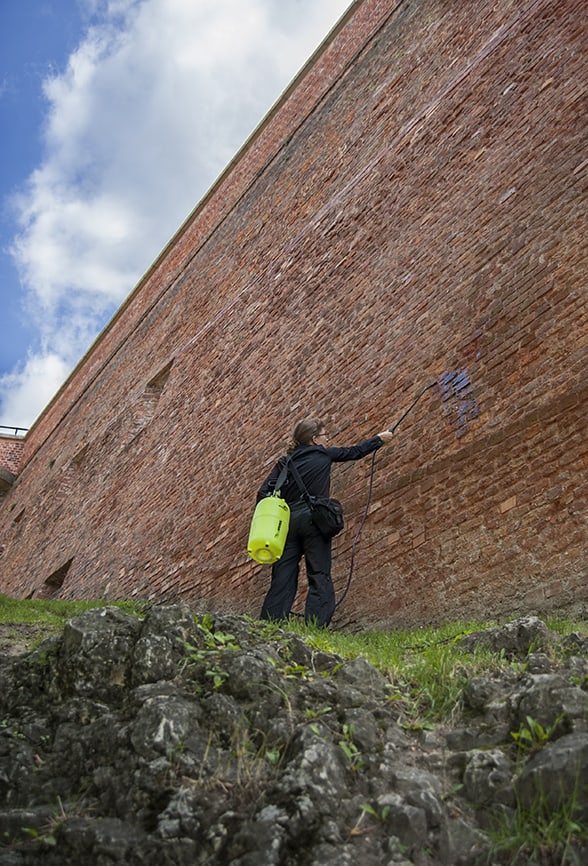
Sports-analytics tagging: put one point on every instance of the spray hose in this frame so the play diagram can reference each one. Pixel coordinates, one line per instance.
(370, 487)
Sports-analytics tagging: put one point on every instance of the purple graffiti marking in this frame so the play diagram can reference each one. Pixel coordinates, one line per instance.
(458, 397)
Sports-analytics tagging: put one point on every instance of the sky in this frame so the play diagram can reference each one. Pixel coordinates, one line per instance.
(116, 117)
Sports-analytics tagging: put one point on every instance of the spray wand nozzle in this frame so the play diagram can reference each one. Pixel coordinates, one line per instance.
(412, 405)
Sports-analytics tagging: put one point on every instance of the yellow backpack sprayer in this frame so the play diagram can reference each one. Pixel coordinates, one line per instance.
(269, 525)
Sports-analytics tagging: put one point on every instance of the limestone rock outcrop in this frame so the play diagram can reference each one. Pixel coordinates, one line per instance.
(184, 739)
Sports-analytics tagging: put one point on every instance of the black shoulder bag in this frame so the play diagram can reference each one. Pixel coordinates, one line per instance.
(327, 514)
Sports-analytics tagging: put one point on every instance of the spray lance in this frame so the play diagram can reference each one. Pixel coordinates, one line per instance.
(370, 486)
(412, 405)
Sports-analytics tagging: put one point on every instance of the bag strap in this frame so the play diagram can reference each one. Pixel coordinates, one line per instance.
(281, 477)
(300, 483)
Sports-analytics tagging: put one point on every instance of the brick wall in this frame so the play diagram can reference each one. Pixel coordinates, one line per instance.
(11, 451)
(411, 212)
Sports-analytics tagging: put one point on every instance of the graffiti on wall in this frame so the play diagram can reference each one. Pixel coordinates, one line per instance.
(458, 398)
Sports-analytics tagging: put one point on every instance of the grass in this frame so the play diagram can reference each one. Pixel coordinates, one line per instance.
(540, 834)
(50, 613)
(427, 668)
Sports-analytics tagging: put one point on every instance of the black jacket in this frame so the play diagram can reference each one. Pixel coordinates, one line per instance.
(314, 465)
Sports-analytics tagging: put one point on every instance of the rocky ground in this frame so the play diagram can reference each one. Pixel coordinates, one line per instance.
(194, 740)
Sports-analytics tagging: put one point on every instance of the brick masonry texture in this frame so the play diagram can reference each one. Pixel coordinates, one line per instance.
(11, 450)
(412, 211)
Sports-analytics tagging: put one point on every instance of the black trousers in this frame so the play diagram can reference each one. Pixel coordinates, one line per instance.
(303, 539)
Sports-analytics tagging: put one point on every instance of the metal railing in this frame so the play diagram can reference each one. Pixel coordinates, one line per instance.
(15, 430)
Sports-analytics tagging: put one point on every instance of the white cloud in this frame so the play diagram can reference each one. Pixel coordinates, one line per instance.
(33, 384)
(155, 101)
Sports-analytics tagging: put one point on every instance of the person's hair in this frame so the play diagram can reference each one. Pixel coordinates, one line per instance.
(304, 431)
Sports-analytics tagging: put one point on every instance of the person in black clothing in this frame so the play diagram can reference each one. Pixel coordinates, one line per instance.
(313, 458)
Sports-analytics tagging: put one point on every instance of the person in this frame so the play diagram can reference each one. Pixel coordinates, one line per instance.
(312, 455)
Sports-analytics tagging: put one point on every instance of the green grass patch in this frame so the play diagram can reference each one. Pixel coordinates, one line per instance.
(540, 834)
(426, 667)
(14, 611)
(566, 626)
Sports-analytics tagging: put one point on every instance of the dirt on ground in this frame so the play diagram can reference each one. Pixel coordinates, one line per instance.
(18, 638)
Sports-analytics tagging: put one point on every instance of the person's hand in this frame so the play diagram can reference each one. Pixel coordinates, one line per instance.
(386, 436)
